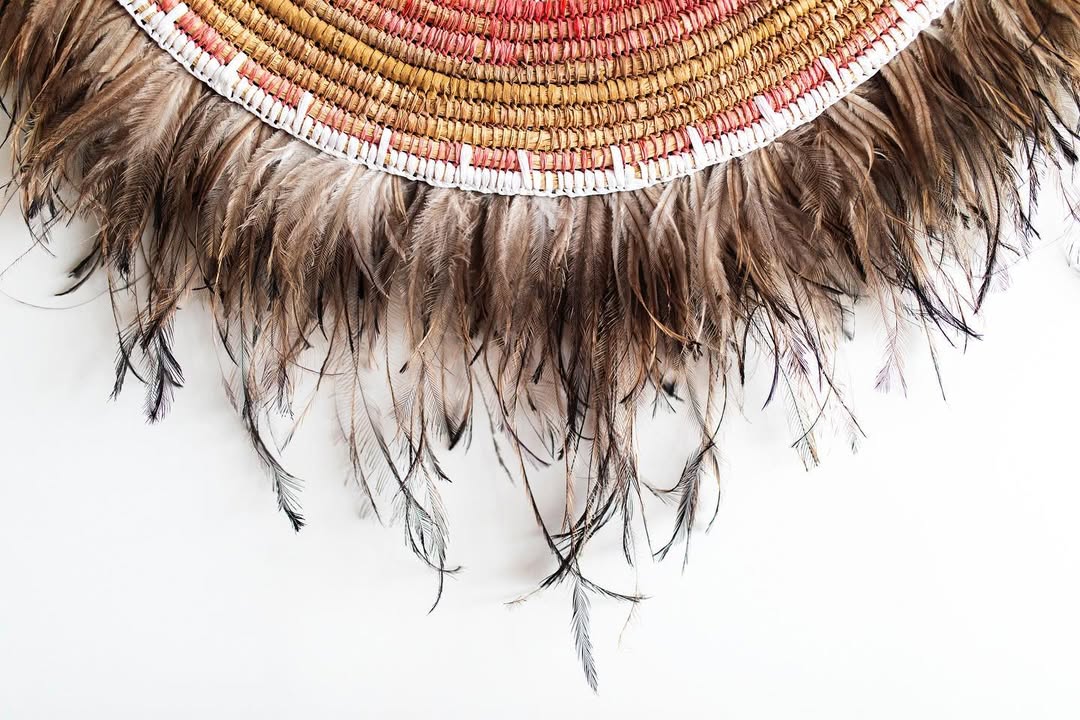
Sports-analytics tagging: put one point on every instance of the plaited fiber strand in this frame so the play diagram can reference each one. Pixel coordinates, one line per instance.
(554, 319)
(547, 97)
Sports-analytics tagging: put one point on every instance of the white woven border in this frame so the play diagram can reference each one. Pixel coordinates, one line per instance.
(774, 122)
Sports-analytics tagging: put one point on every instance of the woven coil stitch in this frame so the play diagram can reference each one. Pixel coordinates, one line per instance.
(538, 97)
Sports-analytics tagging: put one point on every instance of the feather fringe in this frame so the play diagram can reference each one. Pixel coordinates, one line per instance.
(553, 320)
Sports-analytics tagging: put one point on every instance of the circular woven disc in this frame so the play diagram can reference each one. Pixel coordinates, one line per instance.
(542, 97)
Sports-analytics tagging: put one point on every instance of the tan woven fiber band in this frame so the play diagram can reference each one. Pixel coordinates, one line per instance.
(546, 97)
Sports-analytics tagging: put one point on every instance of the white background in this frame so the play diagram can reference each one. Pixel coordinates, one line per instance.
(145, 571)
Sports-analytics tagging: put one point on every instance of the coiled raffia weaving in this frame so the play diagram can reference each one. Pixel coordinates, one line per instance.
(546, 98)
(545, 216)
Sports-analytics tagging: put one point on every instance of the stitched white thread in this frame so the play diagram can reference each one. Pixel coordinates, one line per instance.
(227, 81)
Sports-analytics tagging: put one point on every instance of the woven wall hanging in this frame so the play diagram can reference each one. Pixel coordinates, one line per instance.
(546, 215)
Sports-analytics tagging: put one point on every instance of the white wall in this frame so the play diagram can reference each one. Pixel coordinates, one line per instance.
(145, 572)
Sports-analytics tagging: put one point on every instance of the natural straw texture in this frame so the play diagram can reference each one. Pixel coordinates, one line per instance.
(557, 322)
(540, 97)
